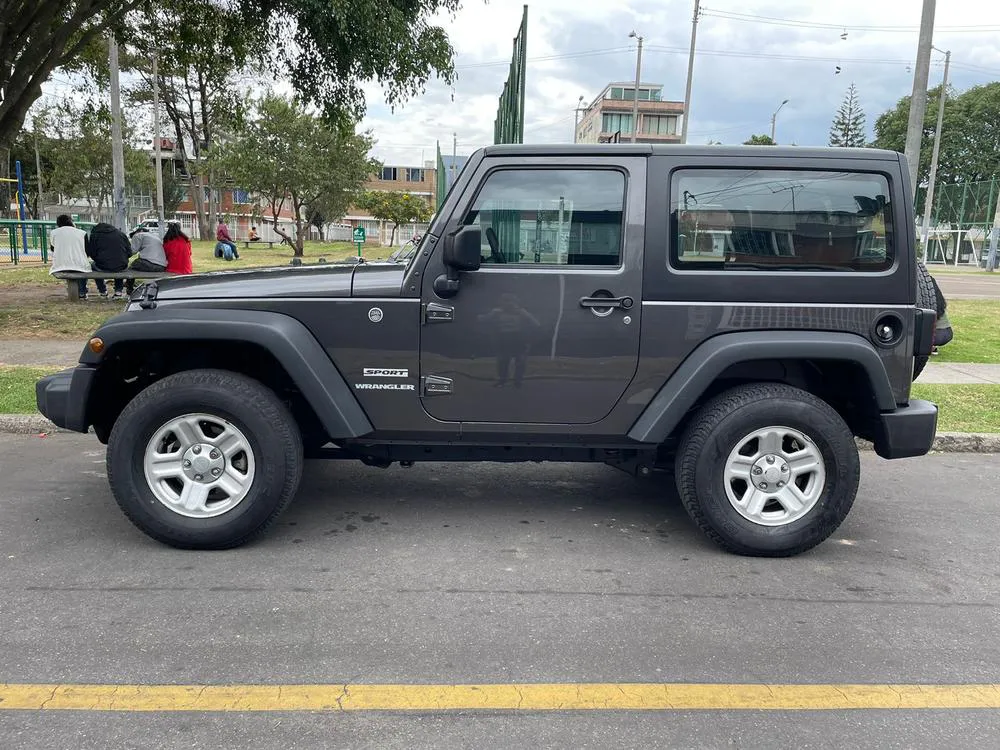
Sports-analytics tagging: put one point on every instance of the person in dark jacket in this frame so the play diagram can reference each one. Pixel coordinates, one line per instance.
(109, 250)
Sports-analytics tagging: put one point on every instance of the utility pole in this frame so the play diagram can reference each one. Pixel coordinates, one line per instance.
(774, 118)
(576, 117)
(929, 199)
(454, 155)
(918, 99)
(635, 93)
(117, 157)
(160, 219)
(38, 173)
(687, 89)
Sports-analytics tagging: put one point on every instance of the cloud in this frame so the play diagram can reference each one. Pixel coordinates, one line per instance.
(742, 72)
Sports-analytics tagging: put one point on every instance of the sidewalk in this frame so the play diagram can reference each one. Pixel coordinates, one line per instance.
(53, 353)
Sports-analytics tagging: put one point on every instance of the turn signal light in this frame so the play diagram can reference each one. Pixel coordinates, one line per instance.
(96, 345)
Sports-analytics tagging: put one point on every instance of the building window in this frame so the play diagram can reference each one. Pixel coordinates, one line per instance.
(389, 174)
(551, 217)
(612, 122)
(616, 93)
(659, 124)
(776, 220)
(414, 175)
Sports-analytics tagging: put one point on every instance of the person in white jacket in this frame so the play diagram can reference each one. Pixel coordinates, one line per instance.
(69, 250)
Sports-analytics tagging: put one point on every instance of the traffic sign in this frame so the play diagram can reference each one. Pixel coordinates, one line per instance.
(359, 234)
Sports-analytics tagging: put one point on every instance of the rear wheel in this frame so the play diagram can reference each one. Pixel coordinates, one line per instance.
(204, 459)
(767, 470)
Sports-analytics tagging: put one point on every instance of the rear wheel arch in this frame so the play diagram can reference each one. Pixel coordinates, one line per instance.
(841, 368)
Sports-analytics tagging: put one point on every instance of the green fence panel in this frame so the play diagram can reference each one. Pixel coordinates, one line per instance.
(508, 127)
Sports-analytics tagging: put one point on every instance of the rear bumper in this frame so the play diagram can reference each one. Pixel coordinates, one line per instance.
(63, 397)
(908, 431)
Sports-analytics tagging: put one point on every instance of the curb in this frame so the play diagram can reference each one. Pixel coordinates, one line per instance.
(956, 442)
(944, 442)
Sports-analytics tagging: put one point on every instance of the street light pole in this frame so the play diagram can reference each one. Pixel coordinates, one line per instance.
(929, 199)
(774, 118)
(635, 93)
(576, 117)
(690, 75)
(157, 146)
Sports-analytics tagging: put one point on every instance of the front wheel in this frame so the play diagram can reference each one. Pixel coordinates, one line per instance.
(204, 459)
(767, 470)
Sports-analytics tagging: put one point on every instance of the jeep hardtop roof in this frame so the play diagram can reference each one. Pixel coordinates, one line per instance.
(644, 149)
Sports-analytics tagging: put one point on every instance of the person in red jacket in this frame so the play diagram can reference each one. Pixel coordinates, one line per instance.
(177, 248)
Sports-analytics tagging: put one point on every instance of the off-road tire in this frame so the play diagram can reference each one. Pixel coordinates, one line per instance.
(246, 403)
(927, 299)
(715, 431)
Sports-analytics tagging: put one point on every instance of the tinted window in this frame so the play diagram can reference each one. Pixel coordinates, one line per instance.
(743, 219)
(551, 217)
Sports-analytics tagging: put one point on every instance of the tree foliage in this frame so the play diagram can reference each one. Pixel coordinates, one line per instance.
(396, 208)
(848, 128)
(327, 48)
(285, 155)
(77, 147)
(759, 140)
(970, 138)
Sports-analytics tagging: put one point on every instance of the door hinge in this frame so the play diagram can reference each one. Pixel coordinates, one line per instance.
(435, 312)
(434, 385)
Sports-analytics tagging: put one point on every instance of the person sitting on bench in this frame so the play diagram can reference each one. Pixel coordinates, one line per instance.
(253, 236)
(109, 250)
(151, 258)
(69, 250)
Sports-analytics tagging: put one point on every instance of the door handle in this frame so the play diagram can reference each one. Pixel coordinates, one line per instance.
(624, 303)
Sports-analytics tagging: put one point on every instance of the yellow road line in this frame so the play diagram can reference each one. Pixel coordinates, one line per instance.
(526, 697)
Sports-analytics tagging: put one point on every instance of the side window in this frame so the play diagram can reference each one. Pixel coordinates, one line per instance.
(551, 217)
(742, 219)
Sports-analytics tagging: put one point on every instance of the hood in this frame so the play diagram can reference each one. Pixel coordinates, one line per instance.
(324, 280)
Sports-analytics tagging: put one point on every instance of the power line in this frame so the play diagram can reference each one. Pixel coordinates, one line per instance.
(777, 21)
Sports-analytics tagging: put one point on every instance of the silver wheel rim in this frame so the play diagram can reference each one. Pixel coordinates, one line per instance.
(199, 465)
(774, 476)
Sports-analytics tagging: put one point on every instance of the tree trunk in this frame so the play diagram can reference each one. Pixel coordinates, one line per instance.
(392, 235)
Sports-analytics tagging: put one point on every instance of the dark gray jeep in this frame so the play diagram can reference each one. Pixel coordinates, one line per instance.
(735, 315)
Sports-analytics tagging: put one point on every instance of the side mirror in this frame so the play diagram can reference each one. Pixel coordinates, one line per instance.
(461, 253)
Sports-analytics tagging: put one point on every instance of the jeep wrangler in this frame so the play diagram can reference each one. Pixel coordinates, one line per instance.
(737, 316)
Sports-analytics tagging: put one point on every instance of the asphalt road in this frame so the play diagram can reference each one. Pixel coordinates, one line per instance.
(969, 285)
(486, 574)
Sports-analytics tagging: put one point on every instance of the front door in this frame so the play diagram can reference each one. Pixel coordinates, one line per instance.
(529, 338)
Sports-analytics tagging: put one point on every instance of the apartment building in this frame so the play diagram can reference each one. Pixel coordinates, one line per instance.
(608, 118)
(417, 181)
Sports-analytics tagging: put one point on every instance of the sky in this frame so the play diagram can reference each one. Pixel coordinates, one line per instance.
(744, 68)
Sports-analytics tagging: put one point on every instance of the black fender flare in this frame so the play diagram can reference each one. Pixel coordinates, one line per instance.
(700, 368)
(288, 340)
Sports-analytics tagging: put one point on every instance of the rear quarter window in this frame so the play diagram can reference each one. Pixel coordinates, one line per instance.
(780, 220)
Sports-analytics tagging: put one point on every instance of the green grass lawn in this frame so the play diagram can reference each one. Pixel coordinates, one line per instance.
(963, 408)
(976, 323)
(34, 305)
(17, 388)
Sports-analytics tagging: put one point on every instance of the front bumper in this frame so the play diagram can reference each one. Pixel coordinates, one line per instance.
(908, 431)
(63, 397)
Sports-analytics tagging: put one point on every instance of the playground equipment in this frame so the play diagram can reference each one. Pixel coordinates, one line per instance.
(18, 186)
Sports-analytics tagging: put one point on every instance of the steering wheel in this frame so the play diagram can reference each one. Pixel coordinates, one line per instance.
(495, 255)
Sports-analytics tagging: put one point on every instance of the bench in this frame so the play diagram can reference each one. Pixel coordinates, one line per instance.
(248, 243)
(71, 277)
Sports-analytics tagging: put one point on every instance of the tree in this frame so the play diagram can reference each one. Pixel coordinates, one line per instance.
(396, 208)
(848, 128)
(285, 155)
(759, 140)
(78, 148)
(970, 138)
(327, 49)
